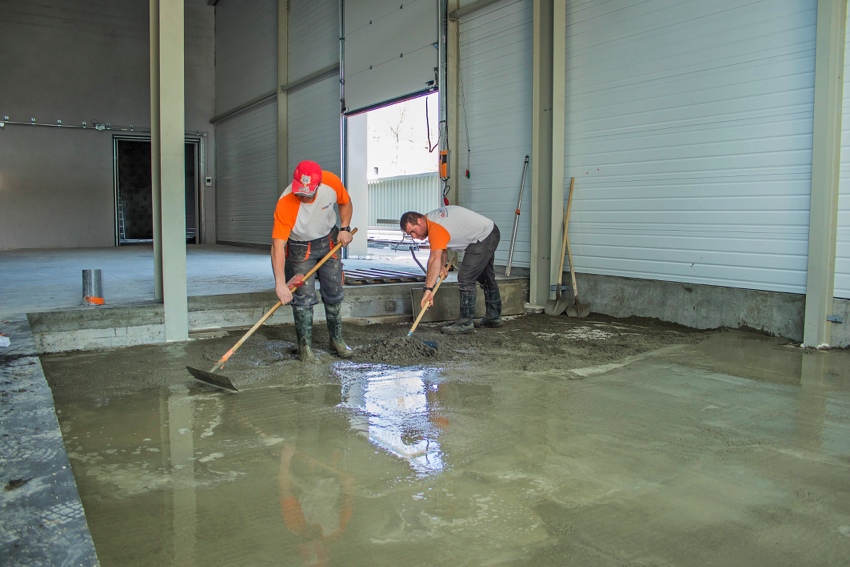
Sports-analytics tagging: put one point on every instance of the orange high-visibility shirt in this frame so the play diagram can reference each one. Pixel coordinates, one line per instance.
(309, 221)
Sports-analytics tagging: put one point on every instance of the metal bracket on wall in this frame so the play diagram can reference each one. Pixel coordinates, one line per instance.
(834, 319)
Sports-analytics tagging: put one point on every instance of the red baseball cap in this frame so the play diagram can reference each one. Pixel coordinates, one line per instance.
(306, 179)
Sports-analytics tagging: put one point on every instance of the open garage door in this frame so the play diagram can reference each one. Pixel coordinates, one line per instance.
(389, 51)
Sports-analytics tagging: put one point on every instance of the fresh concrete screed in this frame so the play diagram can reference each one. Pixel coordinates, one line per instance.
(724, 440)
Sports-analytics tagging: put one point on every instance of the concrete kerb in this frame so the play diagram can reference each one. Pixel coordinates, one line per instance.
(43, 518)
(122, 326)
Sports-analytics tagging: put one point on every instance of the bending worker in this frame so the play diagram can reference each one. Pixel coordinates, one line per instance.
(304, 232)
(457, 228)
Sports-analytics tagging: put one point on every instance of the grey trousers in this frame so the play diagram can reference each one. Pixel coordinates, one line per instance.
(301, 257)
(477, 264)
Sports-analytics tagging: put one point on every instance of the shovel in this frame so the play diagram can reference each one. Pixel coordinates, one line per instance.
(431, 344)
(558, 305)
(224, 382)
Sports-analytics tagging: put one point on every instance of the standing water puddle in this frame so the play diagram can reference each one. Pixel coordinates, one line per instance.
(347, 463)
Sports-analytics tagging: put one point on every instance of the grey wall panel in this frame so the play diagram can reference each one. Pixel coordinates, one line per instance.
(246, 51)
(688, 128)
(314, 110)
(842, 244)
(314, 125)
(495, 90)
(246, 59)
(314, 33)
(76, 61)
(247, 175)
(390, 50)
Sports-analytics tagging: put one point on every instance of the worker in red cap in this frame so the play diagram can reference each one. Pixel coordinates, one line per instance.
(305, 230)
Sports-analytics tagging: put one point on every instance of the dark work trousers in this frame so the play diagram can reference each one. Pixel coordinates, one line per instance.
(302, 256)
(477, 265)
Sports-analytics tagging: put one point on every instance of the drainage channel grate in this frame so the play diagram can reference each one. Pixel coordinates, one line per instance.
(375, 276)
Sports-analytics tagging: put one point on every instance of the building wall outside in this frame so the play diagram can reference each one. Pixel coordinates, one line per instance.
(84, 61)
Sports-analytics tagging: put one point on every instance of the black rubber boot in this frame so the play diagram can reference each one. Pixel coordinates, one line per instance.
(464, 323)
(334, 320)
(303, 317)
(493, 317)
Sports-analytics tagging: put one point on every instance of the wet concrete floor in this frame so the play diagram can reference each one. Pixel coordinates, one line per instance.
(549, 441)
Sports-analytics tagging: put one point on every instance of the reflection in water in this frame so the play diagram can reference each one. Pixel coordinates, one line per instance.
(316, 502)
(395, 410)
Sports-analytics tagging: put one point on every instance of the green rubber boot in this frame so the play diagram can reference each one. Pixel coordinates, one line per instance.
(493, 317)
(303, 317)
(463, 325)
(337, 343)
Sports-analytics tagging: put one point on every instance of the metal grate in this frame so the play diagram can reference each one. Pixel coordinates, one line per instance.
(376, 276)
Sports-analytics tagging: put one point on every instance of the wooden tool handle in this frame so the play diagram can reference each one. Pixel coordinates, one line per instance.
(564, 239)
(433, 293)
(274, 308)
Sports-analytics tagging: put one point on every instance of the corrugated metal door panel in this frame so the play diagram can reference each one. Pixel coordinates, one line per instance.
(246, 153)
(391, 197)
(842, 244)
(314, 111)
(495, 119)
(390, 50)
(314, 122)
(245, 51)
(314, 29)
(688, 129)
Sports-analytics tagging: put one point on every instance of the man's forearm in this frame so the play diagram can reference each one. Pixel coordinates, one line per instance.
(278, 260)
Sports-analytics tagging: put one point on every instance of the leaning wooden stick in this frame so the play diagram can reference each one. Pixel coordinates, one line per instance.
(433, 293)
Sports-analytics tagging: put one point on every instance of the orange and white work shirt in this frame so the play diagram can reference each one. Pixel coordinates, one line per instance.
(455, 228)
(308, 221)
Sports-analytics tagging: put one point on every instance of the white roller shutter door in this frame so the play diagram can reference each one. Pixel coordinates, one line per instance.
(314, 109)
(495, 118)
(689, 130)
(390, 51)
(246, 143)
(246, 152)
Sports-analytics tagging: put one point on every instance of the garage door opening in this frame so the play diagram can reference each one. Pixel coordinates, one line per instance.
(402, 171)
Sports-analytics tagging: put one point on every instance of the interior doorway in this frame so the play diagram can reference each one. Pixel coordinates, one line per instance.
(134, 194)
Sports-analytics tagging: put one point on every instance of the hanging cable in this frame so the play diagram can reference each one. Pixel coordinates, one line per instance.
(428, 128)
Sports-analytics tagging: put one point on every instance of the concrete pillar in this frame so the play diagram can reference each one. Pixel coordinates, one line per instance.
(168, 136)
(826, 150)
(283, 171)
(155, 149)
(452, 98)
(356, 181)
(559, 113)
(541, 154)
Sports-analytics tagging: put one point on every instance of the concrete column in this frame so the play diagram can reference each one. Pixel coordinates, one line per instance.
(155, 148)
(541, 153)
(356, 181)
(826, 150)
(283, 171)
(452, 97)
(559, 55)
(170, 140)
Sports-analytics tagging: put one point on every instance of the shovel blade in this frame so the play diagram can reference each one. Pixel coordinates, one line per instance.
(216, 380)
(578, 310)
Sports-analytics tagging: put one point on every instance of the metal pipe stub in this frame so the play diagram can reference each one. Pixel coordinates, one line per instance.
(92, 288)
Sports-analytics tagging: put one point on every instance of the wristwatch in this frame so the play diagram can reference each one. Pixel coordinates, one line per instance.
(345, 228)
(426, 288)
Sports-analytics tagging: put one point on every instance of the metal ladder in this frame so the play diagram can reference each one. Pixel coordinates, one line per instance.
(122, 234)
